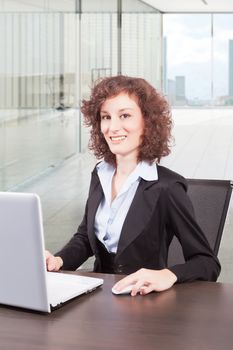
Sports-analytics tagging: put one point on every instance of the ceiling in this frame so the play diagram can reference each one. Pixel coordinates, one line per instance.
(192, 5)
(170, 6)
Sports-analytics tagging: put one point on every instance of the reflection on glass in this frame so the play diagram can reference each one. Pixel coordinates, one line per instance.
(141, 46)
(38, 125)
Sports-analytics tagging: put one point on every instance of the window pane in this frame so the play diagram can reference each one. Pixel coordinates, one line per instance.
(38, 125)
(223, 59)
(141, 46)
(187, 60)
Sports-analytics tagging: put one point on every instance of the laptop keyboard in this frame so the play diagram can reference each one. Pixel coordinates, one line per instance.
(62, 287)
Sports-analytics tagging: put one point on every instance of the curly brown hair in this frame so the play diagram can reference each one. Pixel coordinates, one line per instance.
(156, 137)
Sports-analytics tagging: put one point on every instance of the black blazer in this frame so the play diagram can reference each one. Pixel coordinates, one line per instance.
(159, 210)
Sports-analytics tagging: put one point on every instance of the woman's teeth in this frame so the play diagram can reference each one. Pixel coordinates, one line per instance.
(117, 138)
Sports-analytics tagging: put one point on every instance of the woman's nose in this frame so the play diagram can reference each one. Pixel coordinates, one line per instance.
(115, 124)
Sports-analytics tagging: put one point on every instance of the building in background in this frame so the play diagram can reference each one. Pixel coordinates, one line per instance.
(180, 90)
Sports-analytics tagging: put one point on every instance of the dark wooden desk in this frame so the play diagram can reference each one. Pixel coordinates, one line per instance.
(190, 316)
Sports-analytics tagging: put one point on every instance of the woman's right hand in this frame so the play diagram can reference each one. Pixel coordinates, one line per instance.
(53, 263)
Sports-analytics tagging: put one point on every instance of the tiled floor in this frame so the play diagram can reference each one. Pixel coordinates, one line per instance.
(203, 148)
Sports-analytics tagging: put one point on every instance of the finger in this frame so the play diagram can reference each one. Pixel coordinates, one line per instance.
(146, 290)
(137, 287)
(51, 264)
(125, 282)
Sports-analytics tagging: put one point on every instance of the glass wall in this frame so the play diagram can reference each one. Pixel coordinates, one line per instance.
(37, 59)
(141, 41)
(198, 59)
(38, 69)
(141, 46)
(51, 53)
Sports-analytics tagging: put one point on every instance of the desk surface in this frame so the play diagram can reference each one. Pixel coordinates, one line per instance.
(189, 316)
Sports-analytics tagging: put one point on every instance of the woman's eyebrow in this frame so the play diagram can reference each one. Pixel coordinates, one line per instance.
(120, 110)
(125, 109)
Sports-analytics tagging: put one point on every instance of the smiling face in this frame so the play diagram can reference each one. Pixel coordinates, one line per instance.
(122, 125)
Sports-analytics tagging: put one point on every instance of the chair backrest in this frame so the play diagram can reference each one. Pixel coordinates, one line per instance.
(210, 199)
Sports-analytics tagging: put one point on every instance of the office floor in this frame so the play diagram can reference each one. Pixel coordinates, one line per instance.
(203, 148)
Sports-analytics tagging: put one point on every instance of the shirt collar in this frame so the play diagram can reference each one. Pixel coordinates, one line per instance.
(147, 171)
(105, 172)
(144, 170)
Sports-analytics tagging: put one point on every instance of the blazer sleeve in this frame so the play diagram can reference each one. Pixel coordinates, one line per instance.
(200, 261)
(78, 249)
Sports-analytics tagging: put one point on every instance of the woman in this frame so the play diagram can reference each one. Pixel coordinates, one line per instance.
(135, 206)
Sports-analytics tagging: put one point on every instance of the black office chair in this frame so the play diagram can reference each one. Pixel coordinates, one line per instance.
(210, 199)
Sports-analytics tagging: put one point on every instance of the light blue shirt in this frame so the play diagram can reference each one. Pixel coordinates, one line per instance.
(111, 215)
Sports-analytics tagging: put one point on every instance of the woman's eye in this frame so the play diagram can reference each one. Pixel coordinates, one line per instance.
(105, 117)
(124, 116)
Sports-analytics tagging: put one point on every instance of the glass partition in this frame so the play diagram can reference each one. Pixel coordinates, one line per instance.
(39, 95)
(141, 46)
(141, 40)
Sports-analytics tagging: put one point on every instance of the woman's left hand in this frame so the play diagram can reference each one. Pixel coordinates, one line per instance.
(145, 281)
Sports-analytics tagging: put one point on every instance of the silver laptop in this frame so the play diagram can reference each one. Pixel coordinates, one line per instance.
(24, 281)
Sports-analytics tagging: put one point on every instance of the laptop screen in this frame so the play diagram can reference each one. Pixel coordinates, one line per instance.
(23, 276)
(23, 270)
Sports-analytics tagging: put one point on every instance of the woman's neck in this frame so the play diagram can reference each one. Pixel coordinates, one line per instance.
(123, 169)
(125, 165)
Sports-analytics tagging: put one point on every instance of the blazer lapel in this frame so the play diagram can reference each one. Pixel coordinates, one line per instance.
(139, 214)
(94, 198)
